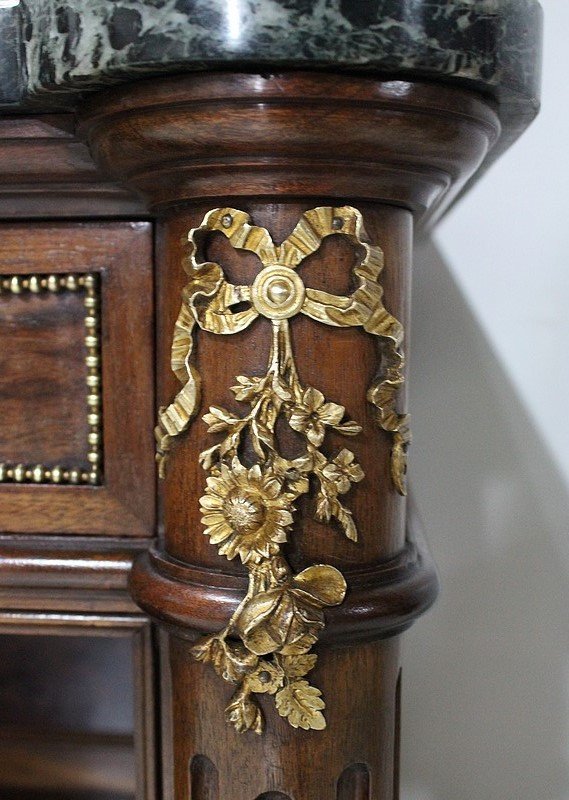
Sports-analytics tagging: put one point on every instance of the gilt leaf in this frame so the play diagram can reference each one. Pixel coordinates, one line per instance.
(302, 705)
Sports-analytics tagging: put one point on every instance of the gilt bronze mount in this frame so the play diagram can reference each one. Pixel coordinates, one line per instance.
(248, 508)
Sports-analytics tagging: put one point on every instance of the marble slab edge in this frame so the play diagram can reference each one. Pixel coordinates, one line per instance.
(52, 52)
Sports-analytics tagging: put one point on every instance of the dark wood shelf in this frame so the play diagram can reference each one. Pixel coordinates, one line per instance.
(65, 766)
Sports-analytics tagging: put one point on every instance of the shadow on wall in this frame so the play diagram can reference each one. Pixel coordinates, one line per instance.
(485, 677)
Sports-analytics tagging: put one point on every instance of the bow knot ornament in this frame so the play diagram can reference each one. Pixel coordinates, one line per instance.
(248, 508)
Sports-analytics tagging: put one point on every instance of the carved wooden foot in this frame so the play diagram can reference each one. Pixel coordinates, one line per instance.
(290, 561)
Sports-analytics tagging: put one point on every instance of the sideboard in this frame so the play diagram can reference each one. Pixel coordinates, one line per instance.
(208, 552)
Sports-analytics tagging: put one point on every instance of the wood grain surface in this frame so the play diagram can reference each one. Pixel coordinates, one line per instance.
(297, 134)
(43, 396)
(47, 172)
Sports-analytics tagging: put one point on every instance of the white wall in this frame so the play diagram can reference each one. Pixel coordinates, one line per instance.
(486, 672)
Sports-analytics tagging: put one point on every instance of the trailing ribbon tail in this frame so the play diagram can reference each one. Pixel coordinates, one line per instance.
(175, 418)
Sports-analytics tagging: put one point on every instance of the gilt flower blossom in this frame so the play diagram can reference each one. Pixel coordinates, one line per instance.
(311, 416)
(245, 512)
(343, 471)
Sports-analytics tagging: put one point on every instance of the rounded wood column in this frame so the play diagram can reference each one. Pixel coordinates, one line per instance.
(275, 148)
(340, 362)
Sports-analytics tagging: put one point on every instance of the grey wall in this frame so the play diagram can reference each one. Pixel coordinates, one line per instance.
(486, 672)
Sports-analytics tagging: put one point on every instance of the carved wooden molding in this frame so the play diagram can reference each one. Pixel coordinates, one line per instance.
(46, 172)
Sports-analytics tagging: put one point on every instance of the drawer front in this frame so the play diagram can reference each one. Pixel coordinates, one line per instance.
(76, 379)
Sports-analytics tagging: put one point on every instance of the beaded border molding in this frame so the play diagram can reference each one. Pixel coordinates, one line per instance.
(70, 282)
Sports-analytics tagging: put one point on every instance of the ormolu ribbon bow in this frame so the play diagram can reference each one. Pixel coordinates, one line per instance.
(279, 293)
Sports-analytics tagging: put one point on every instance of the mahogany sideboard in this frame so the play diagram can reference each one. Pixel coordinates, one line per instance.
(207, 210)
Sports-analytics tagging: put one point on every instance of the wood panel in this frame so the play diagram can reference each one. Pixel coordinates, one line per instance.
(119, 255)
(43, 395)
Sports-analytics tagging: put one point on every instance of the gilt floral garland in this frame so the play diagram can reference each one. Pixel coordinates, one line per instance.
(248, 508)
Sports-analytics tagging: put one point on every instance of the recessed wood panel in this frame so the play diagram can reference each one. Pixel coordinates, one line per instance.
(43, 380)
(76, 707)
(76, 382)
(42, 366)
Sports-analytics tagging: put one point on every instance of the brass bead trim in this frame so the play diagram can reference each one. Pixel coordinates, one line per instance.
(91, 474)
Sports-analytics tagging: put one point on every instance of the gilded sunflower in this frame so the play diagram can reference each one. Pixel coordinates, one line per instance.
(313, 414)
(245, 512)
